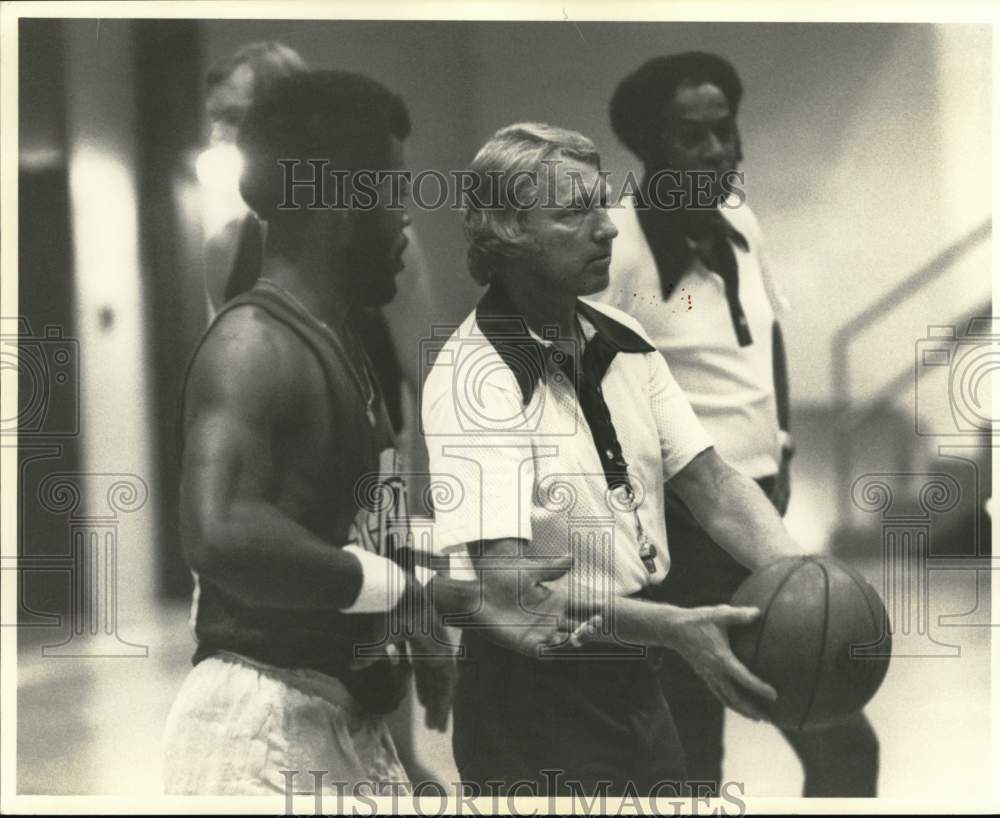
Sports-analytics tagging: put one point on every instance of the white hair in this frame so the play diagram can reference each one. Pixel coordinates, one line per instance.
(513, 157)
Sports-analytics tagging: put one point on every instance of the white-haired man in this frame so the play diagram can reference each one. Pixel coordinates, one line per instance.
(561, 423)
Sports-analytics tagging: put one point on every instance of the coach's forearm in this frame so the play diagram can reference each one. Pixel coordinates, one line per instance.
(641, 622)
(734, 511)
(746, 525)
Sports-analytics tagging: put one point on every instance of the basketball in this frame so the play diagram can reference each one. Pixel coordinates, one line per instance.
(814, 610)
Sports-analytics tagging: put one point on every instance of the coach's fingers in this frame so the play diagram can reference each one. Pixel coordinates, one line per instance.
(586, 631)
(726, 615)
(741, 674)
(734, 698)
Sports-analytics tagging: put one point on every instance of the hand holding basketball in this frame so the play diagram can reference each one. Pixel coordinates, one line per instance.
(823, 639)
(699, 635)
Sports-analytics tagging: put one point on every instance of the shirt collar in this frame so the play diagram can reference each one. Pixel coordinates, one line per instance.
(524, 353)
(674, 239)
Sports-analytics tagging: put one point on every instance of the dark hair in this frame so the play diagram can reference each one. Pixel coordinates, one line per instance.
(269, 61)
(346, 119)
(640, 99)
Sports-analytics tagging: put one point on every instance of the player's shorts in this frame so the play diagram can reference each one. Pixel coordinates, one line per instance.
(237, 724)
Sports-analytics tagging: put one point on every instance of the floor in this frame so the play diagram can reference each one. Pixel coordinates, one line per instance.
(92, 726)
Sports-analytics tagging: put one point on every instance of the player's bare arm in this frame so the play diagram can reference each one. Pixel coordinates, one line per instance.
(252, 434)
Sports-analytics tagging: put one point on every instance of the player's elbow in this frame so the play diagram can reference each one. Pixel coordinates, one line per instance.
(210, 543)
(205, 551)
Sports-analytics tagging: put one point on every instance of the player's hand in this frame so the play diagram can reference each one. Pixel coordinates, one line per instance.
(699, 636)
(436, 676)
(520, 611)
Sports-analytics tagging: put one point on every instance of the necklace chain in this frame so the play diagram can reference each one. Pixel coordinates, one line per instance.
(365, 383)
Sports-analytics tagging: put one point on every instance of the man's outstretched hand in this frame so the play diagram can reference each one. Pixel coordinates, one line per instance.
(513, 605)
(699, 635)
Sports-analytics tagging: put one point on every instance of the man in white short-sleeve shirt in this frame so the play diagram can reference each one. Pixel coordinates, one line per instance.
(689, 265)
(554, 423)
(524, 440)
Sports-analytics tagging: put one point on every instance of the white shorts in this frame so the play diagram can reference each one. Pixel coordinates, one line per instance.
(236, 724)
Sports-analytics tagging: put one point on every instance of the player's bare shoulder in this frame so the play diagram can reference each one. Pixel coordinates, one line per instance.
(252, 364)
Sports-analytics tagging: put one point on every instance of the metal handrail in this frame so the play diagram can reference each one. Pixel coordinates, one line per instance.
(842, 339)
(888, 393)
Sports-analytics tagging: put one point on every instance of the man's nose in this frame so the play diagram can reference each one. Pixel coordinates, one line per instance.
(714, 149)
(606, 230)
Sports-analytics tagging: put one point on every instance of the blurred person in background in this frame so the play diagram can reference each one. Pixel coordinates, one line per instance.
(233, 250)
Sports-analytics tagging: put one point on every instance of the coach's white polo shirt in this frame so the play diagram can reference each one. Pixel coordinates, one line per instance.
(512, 456)
(730, 387)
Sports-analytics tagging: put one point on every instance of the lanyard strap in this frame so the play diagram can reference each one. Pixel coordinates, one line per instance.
(586, 379)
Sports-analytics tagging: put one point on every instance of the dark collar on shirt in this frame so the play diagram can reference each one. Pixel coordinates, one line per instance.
(669, 231)
(508, 332)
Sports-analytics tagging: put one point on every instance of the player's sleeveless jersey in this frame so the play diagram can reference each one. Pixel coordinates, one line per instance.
(323, 640)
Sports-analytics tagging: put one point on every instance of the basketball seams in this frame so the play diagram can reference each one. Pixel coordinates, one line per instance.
(822, 608)
(767, 610)
(860, 583)
(822, 643)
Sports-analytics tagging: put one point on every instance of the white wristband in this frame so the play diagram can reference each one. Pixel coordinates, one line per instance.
(382, 583)
(423, 574)
(461, 567)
